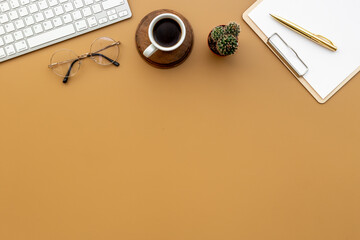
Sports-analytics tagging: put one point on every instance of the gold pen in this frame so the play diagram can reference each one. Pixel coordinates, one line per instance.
(323, 41)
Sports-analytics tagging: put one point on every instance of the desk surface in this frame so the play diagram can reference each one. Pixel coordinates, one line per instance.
(217, 148)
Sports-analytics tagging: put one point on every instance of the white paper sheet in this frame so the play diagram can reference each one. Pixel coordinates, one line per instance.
(337, 20)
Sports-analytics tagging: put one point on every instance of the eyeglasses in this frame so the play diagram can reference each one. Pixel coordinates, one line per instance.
(66, 63)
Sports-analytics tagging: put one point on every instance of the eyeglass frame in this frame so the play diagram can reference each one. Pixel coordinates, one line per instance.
(86, 55)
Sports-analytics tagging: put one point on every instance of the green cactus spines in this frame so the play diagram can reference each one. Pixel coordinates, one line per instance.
(223, 39)
(227, 45)
(217, 33)
(232, 28)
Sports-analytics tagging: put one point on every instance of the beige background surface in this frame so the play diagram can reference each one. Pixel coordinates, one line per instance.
(218, 148)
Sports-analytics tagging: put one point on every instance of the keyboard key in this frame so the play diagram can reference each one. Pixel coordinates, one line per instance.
(111, 4)
(19, 24)
(123, 13)
(47, 25)
(86, 11)
(96, 8)
(13, 15)
(51, 35)
(28, 32)
(57, 22)
(14, 3)
(10, 50)
(77, 15)
(9, 27)
(49, 13)
(24, 2)
(111, 12)
(103, 20)
(18, 35)
(88, 2)
(33, 8)
(38, 28)
(4, 6)
(92, 21)
(23, 12)
(42, 5)
(113, 17)
(39, 17)
(80, 25)
(67, 18)
(2, 53)
(53, 3)
(78, 4)
(4, 18)
(21, 46)
(58, 10)
(29, 20)
(8, 38)
(68, 7)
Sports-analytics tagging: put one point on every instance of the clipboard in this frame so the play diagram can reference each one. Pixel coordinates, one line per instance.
(299, 77)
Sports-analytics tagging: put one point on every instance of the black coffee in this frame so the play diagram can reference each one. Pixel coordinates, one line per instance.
(167, 32)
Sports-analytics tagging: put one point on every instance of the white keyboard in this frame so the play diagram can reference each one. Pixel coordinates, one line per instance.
(28, 25)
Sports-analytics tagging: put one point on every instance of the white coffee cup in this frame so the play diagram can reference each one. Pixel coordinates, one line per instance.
(150, 50)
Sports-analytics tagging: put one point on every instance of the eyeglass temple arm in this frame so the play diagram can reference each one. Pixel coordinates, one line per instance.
(107, 58)
(109, 46)
(66, 78)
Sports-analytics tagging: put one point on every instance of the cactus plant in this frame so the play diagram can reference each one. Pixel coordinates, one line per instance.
(217, 33)
(223, 39)
(232, 28)
(227, 45)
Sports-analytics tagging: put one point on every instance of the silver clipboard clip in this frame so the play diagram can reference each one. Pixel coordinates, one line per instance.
(288, 55)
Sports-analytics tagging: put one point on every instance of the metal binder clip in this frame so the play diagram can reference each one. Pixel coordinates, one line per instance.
(288, 55)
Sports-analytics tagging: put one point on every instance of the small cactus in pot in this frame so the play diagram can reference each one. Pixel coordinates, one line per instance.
(223, 39)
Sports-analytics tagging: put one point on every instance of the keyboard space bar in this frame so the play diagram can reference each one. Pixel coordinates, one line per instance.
(50, 36)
